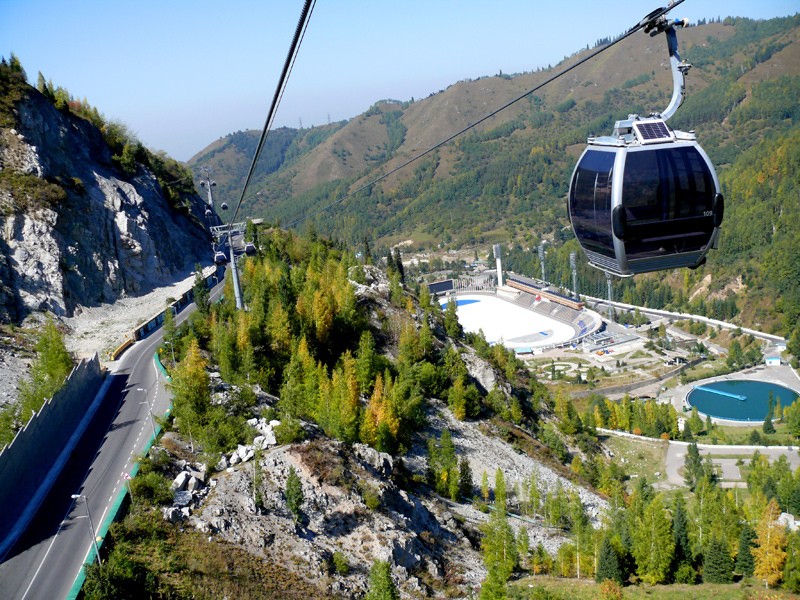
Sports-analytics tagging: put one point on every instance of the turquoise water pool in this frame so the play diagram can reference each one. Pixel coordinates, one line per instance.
(739, 399)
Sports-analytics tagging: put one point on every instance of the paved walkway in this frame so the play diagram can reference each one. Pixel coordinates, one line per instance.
(731, 476)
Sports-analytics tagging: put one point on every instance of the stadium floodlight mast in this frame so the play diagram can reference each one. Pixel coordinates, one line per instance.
(91, 525)
(498, 255)
(541, 260)
(573, 263)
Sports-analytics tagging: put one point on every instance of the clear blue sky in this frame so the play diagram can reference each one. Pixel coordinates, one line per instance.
(180, 74)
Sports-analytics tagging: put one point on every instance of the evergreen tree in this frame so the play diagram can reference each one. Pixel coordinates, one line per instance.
(695, 423)
(768, 426)
(717, 562)
(367, 251)
(200, 289)
(381, 584)
(464, 479)
(693, 466)
(169, 329)
(294, 494)
(451, 324)
(744, 557)
(680, 535)
(398, 265)
(608, 563)
(791, 570)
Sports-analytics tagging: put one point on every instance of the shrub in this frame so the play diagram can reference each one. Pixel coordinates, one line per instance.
(340, 564)
(151, 487)
(371, 497)
(290, 431)
(610, 590)
(686, 574)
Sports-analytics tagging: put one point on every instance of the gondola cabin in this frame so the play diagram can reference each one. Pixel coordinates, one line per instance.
(645, 199)
(220, 258)
(249, 248)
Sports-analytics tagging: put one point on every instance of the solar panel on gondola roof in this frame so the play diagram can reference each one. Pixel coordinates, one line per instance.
(651, 131)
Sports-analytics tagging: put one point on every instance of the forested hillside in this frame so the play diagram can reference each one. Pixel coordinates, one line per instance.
(506, 180)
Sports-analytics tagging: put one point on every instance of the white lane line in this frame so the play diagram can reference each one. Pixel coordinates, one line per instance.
(50, 547)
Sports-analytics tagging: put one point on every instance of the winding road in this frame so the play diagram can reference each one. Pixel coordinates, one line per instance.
(47, 559)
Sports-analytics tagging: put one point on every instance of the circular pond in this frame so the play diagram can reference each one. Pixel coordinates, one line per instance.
(739, 399)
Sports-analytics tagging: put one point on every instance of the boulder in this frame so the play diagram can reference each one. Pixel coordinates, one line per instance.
(179, 484)
(172, 514)
(200, 525)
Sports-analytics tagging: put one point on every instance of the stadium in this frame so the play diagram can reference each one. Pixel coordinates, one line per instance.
(520, 313)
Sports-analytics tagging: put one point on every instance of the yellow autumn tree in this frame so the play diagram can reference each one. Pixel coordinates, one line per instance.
(770, 550)
(381, 425)
(190, 386)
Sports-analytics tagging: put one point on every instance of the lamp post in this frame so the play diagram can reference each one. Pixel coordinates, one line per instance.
(91, 525)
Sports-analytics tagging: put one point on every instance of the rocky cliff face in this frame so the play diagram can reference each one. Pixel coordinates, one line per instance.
(97, 235)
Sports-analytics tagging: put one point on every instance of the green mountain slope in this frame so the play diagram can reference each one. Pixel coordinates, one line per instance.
(506, 180)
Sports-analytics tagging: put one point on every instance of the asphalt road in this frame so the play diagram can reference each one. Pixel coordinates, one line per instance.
(48, 557)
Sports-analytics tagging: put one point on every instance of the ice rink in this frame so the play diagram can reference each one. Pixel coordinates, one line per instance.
(513, 325)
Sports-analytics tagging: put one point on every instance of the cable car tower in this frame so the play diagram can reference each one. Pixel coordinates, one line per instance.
(647, 198)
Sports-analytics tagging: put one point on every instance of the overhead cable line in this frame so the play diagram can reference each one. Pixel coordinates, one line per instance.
(288, 64)
(299, 33)
(643, 24)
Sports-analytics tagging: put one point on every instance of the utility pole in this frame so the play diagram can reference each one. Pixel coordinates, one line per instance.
(610, 297)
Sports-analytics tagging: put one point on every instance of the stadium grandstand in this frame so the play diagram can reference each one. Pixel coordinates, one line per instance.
(538, 318)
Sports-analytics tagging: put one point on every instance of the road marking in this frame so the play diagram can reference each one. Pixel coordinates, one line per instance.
(61, 525)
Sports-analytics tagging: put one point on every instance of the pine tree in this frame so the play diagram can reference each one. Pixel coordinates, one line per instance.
(169, 329)
(381, 585)
(464, 479)
(294, 494)
(791, 570)
(693, 466)
(451, 324)
(770, 550)
(744, 557)
(201, 293)
(717, 562)
(680, 534)
(398, 265)
(608, 563)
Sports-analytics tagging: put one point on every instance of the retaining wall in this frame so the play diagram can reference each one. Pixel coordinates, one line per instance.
(30, 464)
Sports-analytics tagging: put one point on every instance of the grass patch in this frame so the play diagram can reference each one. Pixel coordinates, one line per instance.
(584, 589)
(643, 457)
